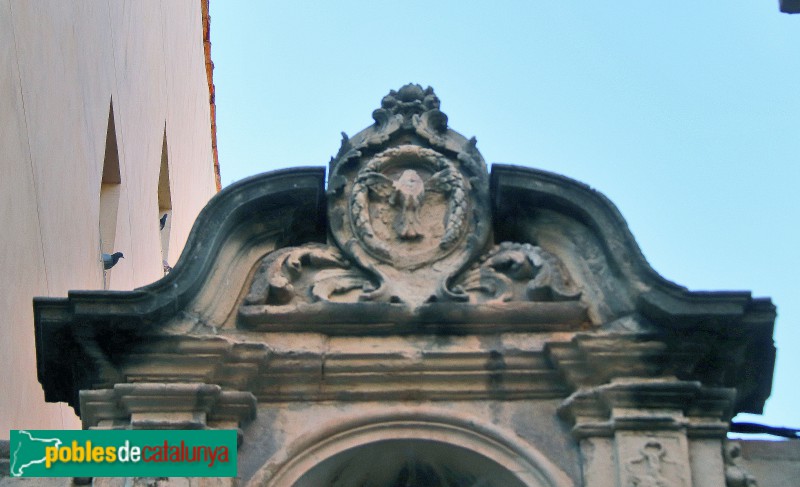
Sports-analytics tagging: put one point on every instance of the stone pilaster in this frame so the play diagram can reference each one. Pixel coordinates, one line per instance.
(166, 406)
(661, 432)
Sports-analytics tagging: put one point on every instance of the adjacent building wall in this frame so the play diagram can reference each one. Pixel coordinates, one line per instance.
(772, 463)
(66, 68)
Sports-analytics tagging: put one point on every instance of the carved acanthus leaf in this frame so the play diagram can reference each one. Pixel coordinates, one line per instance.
(517, 272)
(289, 274)
(339, 285)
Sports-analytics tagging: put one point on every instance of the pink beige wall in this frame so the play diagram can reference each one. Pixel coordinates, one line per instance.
(62, 63)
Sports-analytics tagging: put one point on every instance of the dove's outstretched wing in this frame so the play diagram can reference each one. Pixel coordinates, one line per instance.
(443, 181)
(449, 182)
(377, 183)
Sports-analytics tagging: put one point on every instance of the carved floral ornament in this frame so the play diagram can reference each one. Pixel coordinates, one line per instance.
(410, 238)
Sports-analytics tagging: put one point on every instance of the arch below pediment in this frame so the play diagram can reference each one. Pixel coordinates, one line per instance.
(425, 447)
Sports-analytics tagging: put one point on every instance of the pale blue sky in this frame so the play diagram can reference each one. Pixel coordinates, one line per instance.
(685, 114)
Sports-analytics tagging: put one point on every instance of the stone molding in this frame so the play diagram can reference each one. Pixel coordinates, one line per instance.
(165, 406)
(649, 405)
(465, 370)
(591, 360)
(519, 194)
(395, 319)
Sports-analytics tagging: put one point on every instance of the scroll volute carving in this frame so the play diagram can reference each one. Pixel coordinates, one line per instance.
(410, 225)
(736, 475)
(517, 272)
(306, 274)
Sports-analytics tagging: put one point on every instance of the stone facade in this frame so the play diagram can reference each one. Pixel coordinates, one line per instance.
(420, 321)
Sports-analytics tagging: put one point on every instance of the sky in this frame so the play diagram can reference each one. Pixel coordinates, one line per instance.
(685, 114)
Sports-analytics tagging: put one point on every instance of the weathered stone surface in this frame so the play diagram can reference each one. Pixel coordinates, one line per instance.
(287, 442)
(502, 323)
(735, 474)
(165, 406)
(410, 225)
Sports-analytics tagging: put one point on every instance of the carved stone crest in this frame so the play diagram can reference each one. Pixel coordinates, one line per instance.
(410, 237)
(653, 467)
(408, 199)
(411, 200)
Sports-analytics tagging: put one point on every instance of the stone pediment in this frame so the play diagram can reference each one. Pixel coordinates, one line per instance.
(412, 237)
(410, 242)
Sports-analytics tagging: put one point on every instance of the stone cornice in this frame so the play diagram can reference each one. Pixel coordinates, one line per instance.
(323, 370)
(790, 6)
(517, 189)
(167, 405)
(591, 360)
(645, 405)
(632, 287)
(74, 334)
(82, 340)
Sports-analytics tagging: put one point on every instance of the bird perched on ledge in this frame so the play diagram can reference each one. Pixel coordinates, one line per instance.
(110, 260)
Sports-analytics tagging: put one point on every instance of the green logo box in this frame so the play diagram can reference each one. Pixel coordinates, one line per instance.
(123, 453)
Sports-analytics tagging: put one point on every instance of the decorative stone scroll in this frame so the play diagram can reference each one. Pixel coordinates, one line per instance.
(310, 273)
(410, 225)
(735, 475)
(517, 272)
